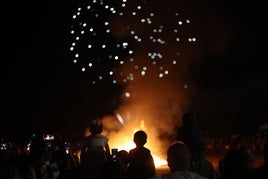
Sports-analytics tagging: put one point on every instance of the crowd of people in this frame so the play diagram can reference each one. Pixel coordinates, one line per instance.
(186, 158)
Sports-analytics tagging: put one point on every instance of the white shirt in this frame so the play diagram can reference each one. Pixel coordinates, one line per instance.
(179, 175)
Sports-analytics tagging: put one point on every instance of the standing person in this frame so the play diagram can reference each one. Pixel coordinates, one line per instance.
(191, 135)
(140, 161)
(179, 159)
(95, 150)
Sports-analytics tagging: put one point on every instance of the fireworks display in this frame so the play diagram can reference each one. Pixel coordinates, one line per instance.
(118, 40)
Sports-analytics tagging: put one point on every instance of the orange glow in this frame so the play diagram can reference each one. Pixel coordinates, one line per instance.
(123, 140)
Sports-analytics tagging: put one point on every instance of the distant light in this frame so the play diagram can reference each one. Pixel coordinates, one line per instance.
(142, 73)
(83, 69)
(185, 86)
(127, 94)
(114, 50)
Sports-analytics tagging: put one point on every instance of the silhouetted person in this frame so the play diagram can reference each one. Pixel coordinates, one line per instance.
(191, 135)
(8, 168)
(140, 161)
(203, 167)
(95, 150)
(123, 155)
(32, 168)
(263, 170)
(56, 159)
(115, 166)
(179, 160)
(238, 163)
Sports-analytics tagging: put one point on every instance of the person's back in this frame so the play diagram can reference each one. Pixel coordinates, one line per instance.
(95, 150)
(140, 160)
(238, 164)
(113, 168)
(180, 175)
(179, 159)
(204, 168)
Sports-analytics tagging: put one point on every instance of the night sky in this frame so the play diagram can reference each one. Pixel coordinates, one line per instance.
(42, 90)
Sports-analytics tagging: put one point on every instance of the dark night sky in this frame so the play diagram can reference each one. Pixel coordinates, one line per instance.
(41, 89)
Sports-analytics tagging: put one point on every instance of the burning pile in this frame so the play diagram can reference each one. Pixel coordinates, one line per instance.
(123, 140)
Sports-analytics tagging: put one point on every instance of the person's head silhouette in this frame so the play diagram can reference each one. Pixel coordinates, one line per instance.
(96, 127)
(140, 138)
(189, 119)
(178, 157)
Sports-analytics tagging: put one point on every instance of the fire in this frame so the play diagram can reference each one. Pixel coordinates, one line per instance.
(123, 140)
(159, 162)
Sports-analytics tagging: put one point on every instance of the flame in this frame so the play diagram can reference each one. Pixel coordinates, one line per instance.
(123, 140)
